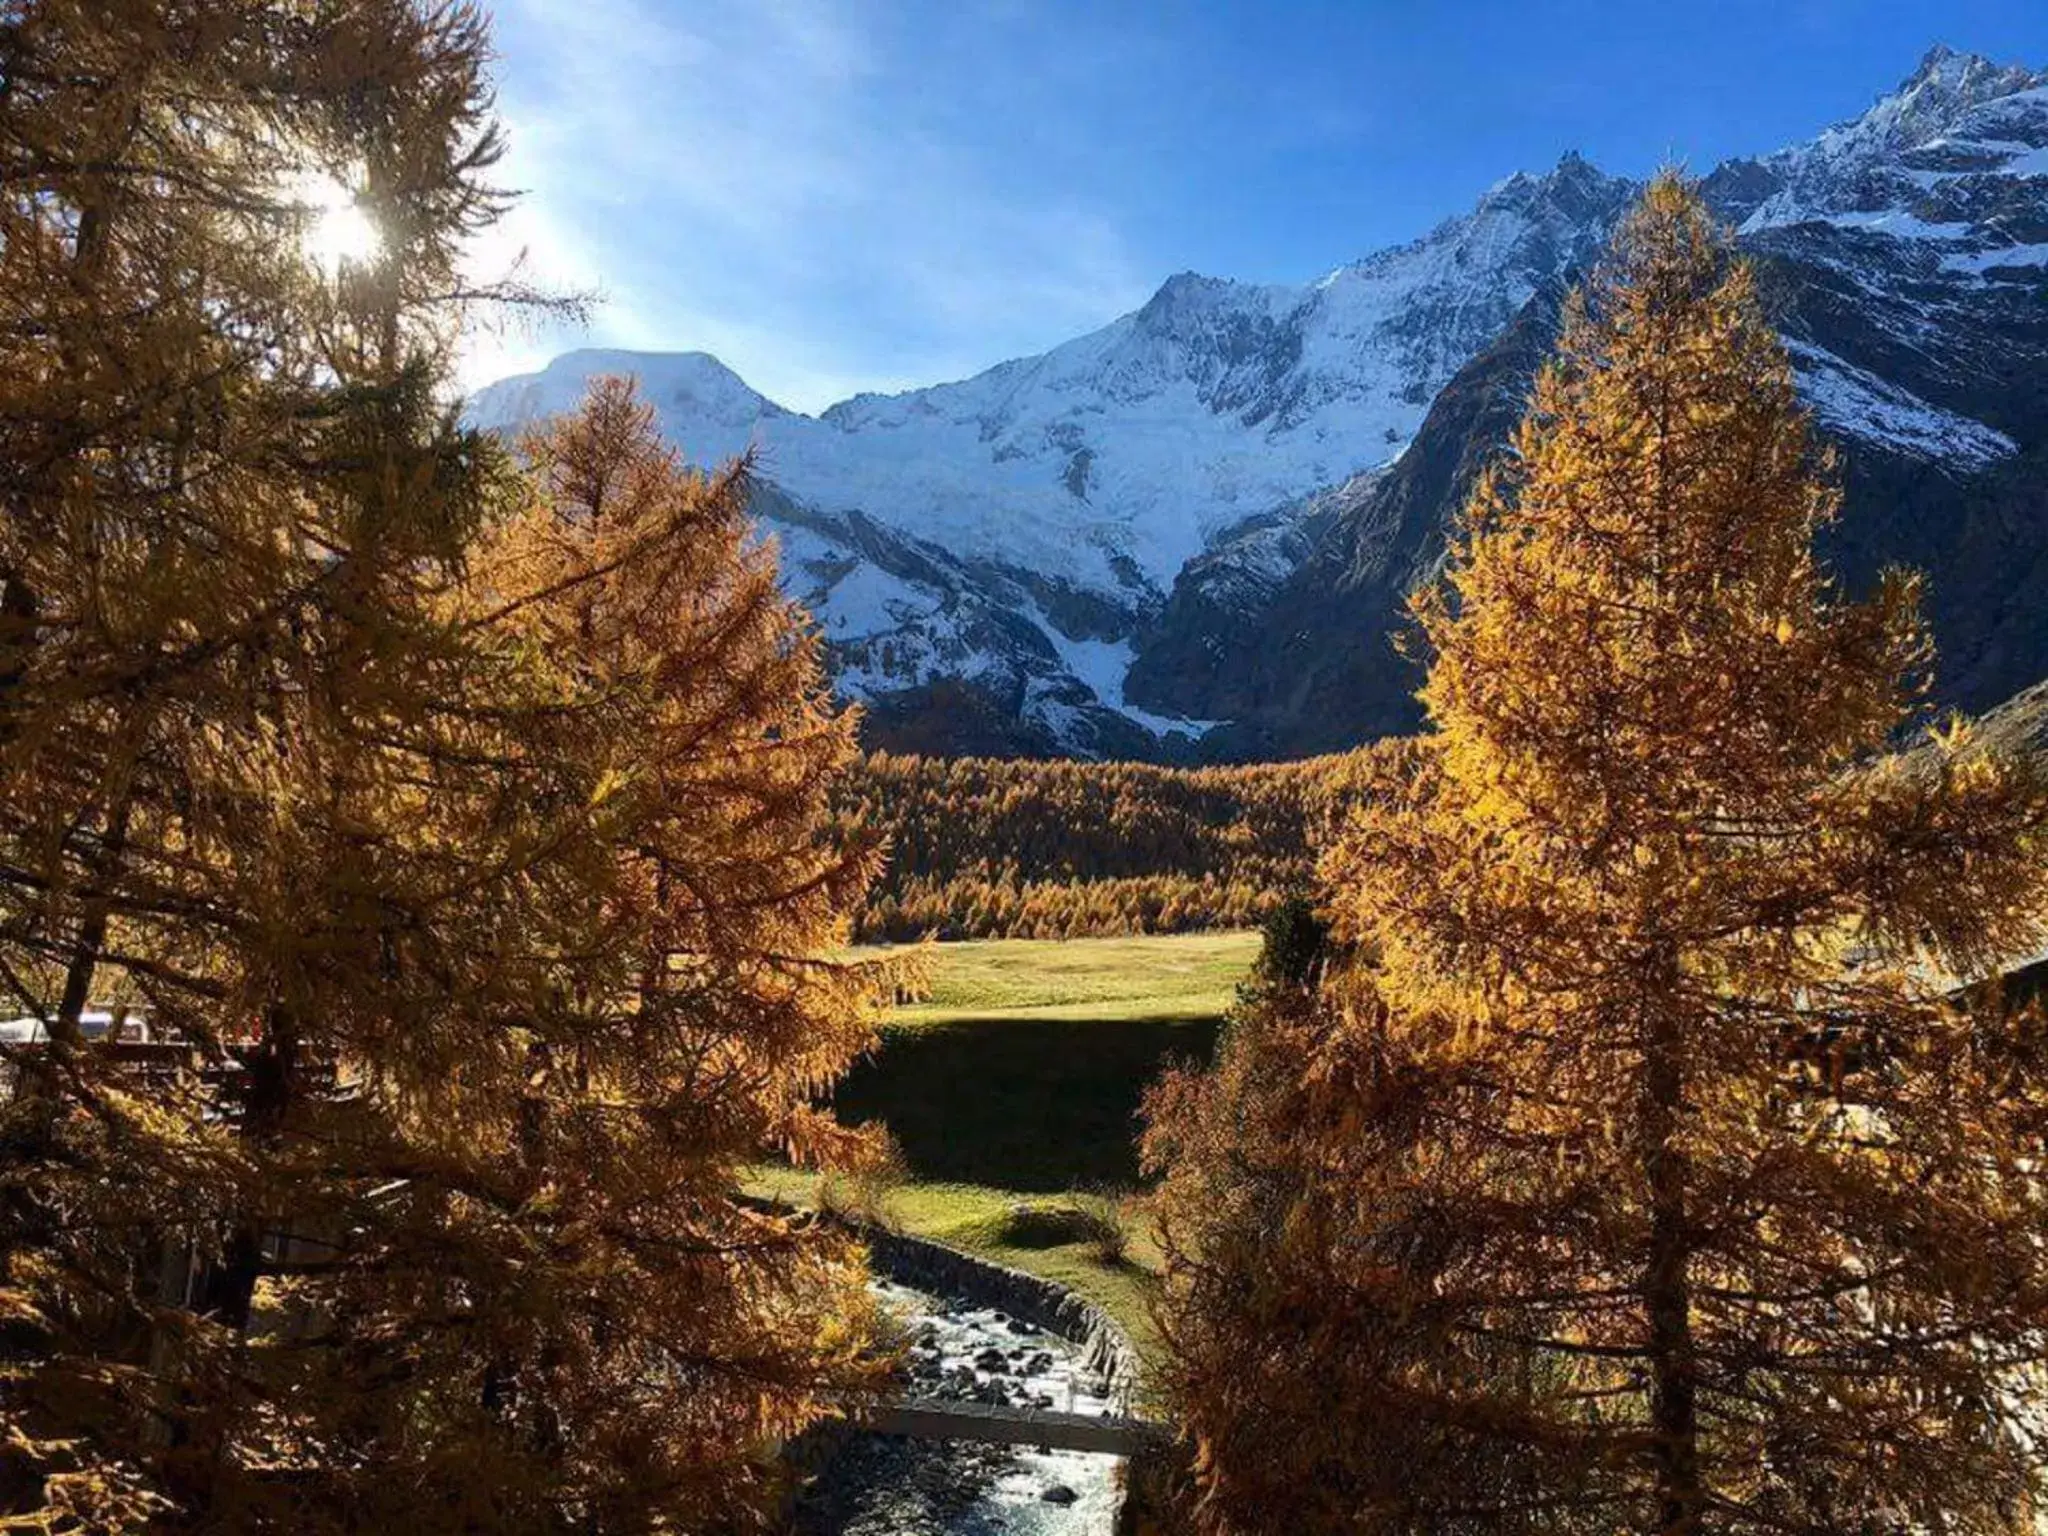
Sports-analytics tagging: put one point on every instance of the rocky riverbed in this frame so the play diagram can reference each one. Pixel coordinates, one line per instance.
(878, 1485)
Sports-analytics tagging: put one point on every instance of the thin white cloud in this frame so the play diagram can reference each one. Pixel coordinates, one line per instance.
(754, 181)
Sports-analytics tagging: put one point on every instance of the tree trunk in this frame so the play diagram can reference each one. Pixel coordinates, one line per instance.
(1674, 1417)
(21, 615)
(228, 1292)
(66, 1029)
(1667, 1297)
(42, 1073)
(270, 1083)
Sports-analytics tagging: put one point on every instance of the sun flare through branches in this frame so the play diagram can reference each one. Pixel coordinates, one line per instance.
(337, 231)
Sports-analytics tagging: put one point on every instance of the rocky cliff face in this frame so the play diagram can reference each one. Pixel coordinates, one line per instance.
(1325, 661)
(1191, 532)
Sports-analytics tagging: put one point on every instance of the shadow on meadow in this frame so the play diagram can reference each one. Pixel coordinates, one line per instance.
(1035, 1105)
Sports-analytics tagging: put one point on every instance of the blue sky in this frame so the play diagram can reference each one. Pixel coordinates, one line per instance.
(835, 195)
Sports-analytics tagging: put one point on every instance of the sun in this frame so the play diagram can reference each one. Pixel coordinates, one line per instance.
(337, 231)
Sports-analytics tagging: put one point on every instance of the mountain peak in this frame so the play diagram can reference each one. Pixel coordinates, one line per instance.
(1932, 100)
(723, 409)
(1575, 190)
(1185, 288)
(702, 367)
(1946, 68)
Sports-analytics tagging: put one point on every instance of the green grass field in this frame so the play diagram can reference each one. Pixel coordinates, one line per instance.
(1187, 976)
(1016, 1082)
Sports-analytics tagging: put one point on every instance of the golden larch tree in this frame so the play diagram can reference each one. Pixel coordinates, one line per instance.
(645, 1000)
(219, 455)
(1634, 1170)
(463, 849)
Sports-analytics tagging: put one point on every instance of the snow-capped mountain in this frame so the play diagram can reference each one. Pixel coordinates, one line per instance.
(1944, 157)
(1928, 214)
(1903, 262)
(1160, 533)
(1023, 527)
(1114, 458)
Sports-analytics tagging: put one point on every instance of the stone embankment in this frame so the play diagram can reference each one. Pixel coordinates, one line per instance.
(874, 1480)
(943, 1271)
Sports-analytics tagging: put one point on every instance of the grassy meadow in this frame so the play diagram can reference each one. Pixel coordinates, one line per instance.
(1176, 978)
(1012, 1089)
